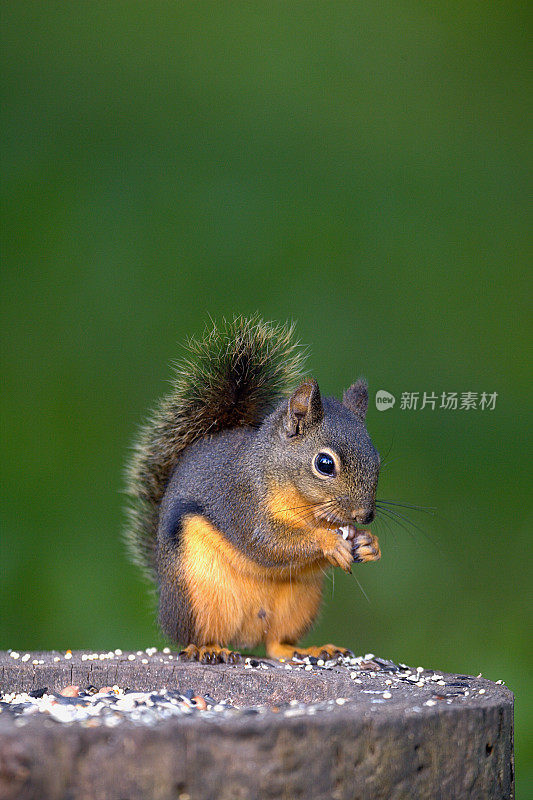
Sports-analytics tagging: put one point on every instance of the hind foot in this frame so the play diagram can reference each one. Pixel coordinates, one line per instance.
(288, 651)
(209, 654)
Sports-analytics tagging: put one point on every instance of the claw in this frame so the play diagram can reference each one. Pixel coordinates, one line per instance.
(209, 654)
(234, 657)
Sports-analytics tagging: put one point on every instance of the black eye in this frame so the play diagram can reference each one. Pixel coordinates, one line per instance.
(325, 464)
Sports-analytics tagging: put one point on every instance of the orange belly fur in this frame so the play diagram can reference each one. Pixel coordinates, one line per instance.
(235, 600)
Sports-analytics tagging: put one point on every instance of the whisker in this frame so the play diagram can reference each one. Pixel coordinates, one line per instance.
(362, 590)
(406, 519)
(319, 507)
(386, 463)
(309, 510)
(389, 529)
(386, 514)
(404, 523)
(387, 454)
(426, 509)
(309, 506)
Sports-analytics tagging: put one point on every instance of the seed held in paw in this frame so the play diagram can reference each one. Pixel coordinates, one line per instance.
(348, 532)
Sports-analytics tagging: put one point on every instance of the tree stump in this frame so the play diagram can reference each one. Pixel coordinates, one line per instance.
(353, 732)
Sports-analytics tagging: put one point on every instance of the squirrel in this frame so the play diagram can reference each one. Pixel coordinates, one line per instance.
(245, 485)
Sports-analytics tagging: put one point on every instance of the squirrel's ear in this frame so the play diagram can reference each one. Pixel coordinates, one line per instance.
(304, 409)
(356, 398)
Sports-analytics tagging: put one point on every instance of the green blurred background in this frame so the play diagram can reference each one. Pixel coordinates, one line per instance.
(360, 168)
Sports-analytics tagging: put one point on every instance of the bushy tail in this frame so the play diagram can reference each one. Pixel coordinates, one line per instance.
(234, 376)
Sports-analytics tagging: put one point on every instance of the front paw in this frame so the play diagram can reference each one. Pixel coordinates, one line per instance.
(338, 552)
(365, 547)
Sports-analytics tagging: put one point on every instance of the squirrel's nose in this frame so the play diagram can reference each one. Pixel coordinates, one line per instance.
(363, 515)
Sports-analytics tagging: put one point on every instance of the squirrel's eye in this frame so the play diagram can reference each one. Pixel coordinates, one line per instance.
(325, 464)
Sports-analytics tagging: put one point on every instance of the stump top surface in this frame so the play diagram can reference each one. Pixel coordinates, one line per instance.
(365, 686)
